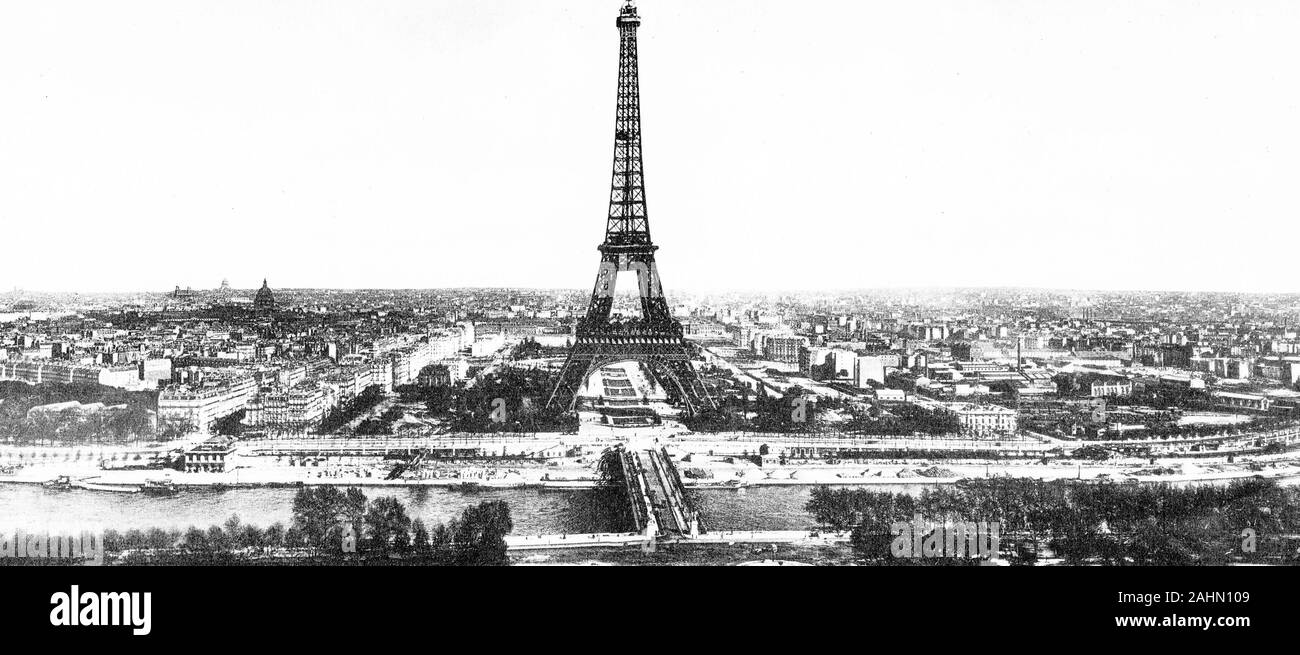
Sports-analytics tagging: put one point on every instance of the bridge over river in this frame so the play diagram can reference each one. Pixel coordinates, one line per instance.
(657, 501)
(657, 496)
(663, 514)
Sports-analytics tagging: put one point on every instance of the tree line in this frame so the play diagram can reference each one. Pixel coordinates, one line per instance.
(129, 424)
(1080, 522)
(765, 413)
(345, 413)
(524, 392)
(760, 412)
(331, 526)
(903, 419)
(383, 424)
(530, 349)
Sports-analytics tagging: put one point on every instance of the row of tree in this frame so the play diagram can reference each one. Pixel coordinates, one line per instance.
(524, 392)
(19, 397)
(759, 412)
(350, 410)
(131, 423)
(332, 525)
(330, 520)
(797, 412)
(382, 424)
(1080, 522)
(231, 425)
(902, 420)
(530, 349)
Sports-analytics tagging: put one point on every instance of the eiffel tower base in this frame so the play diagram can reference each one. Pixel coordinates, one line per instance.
(667, 357)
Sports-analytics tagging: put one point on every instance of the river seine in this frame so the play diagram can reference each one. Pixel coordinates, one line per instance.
(534, 511)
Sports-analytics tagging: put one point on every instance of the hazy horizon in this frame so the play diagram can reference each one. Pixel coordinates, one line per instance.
(669, 292)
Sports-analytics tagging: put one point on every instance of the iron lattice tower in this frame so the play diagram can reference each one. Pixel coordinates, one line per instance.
(656, 338)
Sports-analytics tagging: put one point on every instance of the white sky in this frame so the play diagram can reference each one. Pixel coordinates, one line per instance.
(1097, 145)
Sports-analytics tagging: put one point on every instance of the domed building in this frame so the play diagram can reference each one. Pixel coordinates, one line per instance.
(264, 301)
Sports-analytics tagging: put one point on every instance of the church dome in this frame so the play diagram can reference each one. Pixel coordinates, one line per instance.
(264, 299)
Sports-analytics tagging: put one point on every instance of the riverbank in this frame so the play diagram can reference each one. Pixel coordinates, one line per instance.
(120, 481)
(261, 465)
(739, 474)
(926, 474)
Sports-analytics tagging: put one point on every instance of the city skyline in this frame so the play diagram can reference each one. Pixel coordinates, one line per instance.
(458, 145)
(687, 290)
(844, 365)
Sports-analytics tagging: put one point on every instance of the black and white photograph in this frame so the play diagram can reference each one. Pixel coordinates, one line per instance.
(992, 287)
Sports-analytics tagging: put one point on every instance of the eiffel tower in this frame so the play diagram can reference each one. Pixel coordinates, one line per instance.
(655, 339)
